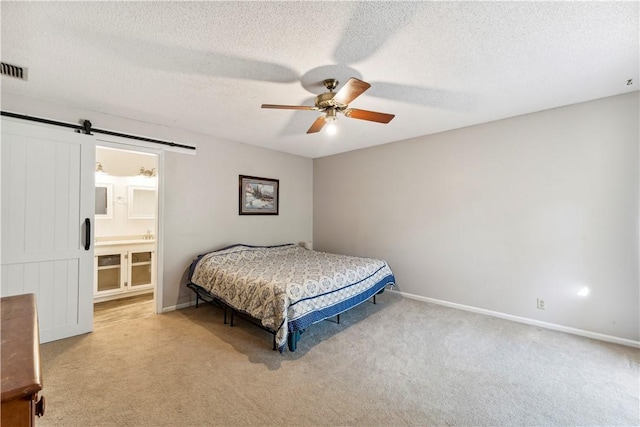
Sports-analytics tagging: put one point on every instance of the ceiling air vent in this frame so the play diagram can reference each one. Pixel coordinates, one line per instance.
(13, 71)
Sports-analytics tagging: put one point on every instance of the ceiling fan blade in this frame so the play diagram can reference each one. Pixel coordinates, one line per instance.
(289, 107)
(317, 125)
(350, 91)
(371, 116)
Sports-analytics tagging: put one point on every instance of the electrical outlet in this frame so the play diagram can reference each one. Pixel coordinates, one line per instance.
(540, 304)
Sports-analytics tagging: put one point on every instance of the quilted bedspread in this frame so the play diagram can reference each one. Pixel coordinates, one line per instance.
(288, 287)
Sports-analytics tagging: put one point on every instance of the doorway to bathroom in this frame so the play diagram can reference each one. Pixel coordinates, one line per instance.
(126, 235)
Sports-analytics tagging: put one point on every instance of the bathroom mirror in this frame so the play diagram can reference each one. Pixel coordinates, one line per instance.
(104, 201)
(142, 202)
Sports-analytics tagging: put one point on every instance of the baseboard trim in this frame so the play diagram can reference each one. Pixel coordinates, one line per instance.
(112, 297)
(179, 306)
(546, 325)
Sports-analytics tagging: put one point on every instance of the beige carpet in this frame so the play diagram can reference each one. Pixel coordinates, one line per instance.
(400, 362)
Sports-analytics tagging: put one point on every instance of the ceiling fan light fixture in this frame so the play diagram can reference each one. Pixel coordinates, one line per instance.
(330, 119)
(331, 127)
(330, 115)
(331, 103)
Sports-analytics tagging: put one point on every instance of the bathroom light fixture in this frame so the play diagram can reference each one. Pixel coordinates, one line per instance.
(147, 172)
(99, 169)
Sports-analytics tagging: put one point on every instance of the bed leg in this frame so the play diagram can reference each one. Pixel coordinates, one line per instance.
(274, 342)
(338, 316)
(292, 340)
(197, 299)
(374, 299)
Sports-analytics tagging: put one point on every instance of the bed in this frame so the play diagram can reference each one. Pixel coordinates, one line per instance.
(286, 288)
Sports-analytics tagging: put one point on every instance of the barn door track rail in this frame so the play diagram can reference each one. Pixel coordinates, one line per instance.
(87, 129)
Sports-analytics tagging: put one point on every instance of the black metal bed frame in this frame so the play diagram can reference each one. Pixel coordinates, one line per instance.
(293, 337)
(202, 294)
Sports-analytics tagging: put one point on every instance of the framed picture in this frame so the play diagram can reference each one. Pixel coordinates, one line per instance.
(258, 196)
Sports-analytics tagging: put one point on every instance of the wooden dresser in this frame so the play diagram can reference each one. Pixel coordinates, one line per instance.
(20, 364)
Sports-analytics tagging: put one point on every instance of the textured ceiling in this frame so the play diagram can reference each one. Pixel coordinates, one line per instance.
(207, 67)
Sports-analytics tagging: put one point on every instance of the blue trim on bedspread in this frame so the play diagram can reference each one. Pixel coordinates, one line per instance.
(342, 306)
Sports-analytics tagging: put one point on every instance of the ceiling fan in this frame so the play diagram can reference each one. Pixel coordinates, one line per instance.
(331, 103)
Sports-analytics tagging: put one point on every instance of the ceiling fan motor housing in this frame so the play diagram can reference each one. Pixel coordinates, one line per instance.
(325, 100)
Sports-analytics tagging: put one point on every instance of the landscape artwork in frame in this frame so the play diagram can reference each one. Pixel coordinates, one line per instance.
(258, 196)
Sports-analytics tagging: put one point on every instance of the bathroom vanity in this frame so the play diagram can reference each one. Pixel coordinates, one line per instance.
(124, 267)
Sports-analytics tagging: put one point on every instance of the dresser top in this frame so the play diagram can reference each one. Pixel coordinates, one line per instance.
(20, 353)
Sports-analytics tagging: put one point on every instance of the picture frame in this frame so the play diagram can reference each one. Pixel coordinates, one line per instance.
(258, 196)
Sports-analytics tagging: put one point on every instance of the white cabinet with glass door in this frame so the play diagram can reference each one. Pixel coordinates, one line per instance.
(123, 270)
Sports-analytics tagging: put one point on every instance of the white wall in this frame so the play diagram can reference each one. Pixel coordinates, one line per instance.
(201, 191)
(497, 215)
(201, 202)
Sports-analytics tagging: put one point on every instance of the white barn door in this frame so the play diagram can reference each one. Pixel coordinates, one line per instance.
(47, 185)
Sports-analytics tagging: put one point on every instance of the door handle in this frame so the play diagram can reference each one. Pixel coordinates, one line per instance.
(40, 405)
(87, 234)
